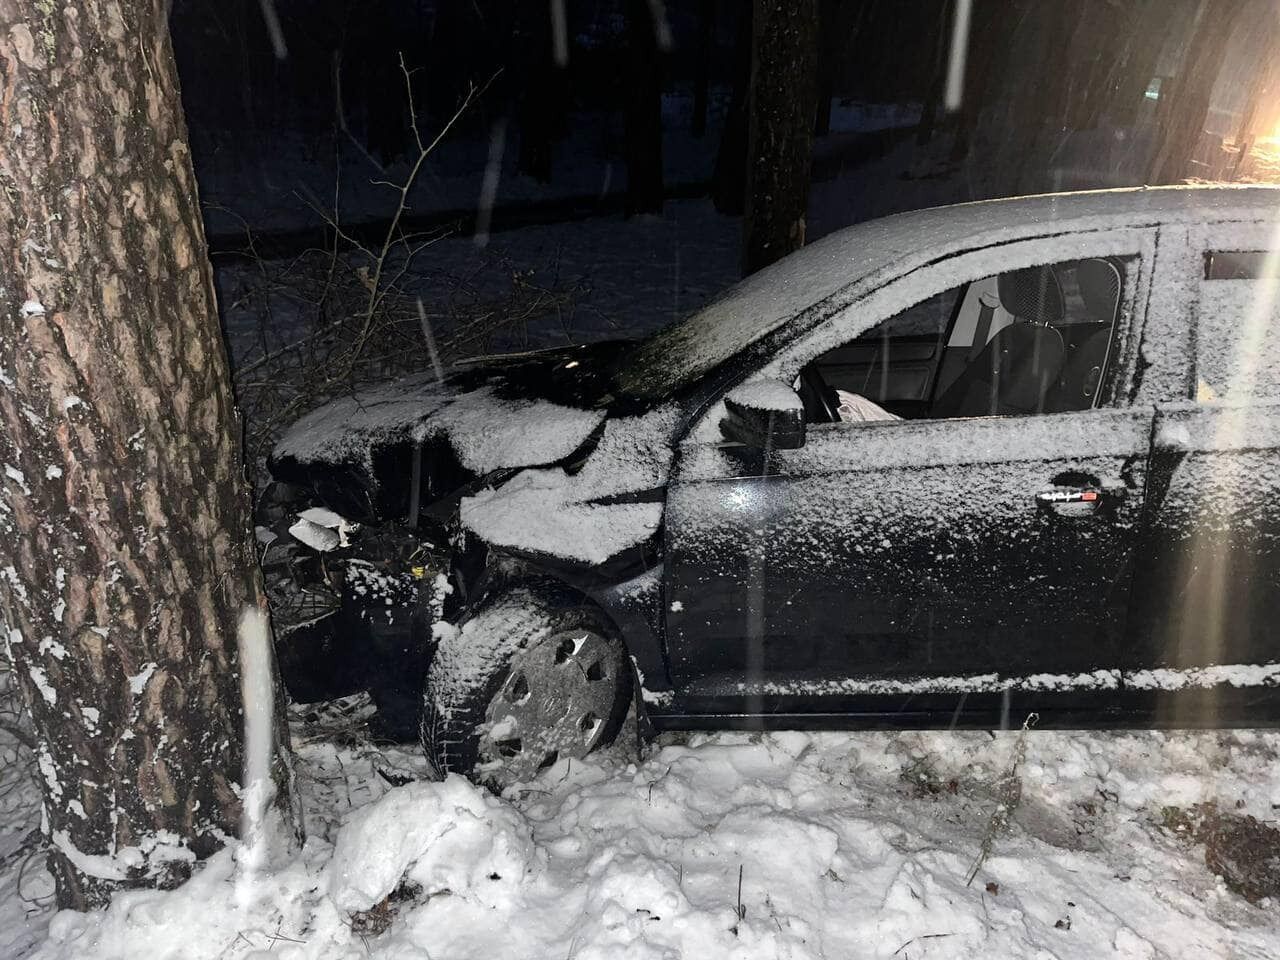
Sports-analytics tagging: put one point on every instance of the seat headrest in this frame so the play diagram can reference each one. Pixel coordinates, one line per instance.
(1033, 293)
(1031, 357)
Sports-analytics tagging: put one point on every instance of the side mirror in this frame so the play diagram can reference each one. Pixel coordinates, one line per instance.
(764, 415)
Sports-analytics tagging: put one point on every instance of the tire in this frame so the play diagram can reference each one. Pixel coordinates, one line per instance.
(477, 718)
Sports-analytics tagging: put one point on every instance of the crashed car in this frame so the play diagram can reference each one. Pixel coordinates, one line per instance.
(950, 468)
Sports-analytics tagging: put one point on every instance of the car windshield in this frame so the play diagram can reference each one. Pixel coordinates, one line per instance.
(688, 348)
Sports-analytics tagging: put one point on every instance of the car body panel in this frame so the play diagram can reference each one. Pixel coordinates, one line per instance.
(851, 559)
(913, 554)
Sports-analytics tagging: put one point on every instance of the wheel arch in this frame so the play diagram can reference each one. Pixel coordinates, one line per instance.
(629, 598)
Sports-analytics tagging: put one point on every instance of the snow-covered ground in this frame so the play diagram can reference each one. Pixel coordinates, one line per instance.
(737, 845)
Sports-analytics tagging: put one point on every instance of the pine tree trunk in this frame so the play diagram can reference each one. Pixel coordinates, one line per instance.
(702, 68)
(543, 101)
(780, 137)
(729, 180)
(643, 110)
(831, 48)
(938, 75)
(125, 537)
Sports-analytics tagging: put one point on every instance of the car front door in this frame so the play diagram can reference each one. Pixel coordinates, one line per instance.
(915, 560)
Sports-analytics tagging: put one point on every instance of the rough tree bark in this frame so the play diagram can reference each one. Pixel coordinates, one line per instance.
(125, 536)
(780, 130)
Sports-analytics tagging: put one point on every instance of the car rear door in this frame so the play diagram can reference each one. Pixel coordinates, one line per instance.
(913, 560)
(1207, 602)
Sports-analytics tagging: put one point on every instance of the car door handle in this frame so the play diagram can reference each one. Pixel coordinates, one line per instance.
(1068, 501)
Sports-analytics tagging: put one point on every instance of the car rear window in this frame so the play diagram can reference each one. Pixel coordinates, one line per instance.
(1237, 347)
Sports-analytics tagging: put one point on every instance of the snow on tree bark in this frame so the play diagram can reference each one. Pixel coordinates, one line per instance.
(125, 536)
(780, 137)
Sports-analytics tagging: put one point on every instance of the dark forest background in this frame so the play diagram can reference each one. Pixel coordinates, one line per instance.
(637, 99)
(390, 183)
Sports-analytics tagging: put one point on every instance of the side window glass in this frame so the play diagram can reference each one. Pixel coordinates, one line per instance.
(1019, 343)
(1237, 350)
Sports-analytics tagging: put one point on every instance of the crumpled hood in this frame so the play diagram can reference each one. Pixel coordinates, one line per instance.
(500, 413)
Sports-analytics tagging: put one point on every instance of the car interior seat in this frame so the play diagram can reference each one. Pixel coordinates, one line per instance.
(1100, 283)
(1015, 371)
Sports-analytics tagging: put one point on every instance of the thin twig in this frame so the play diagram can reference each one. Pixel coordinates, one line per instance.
(376, 292)
(923, 936)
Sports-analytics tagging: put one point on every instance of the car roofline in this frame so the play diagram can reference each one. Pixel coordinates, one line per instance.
(762, 303)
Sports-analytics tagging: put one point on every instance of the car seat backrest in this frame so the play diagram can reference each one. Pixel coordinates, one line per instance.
(1014, 372)
(1012, 375)
(1082, 373)
(1099, 282)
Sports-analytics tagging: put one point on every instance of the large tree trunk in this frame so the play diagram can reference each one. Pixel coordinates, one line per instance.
(992, 29)
(643, 109)
(938, 75)
(780, 132)
(125, 535)
(543, 102)
(702, 68)
(729, 179)
(1183, 115)
(831, 47)
(1144, 28)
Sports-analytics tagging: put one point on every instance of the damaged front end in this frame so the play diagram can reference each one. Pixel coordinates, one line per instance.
(361, 540)
(352, 604)
(398, 506)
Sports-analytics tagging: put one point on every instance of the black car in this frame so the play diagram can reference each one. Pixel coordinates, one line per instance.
(947, 468)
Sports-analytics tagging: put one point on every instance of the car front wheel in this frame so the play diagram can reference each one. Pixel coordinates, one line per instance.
(528, 680)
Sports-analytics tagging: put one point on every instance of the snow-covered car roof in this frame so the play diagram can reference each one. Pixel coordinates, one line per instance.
(834, 271)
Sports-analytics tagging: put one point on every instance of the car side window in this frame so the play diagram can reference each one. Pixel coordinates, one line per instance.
(1023, 342)
(1237, 351)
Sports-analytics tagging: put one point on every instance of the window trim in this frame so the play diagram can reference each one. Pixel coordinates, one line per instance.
(1139, 241)
(1126, 309)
